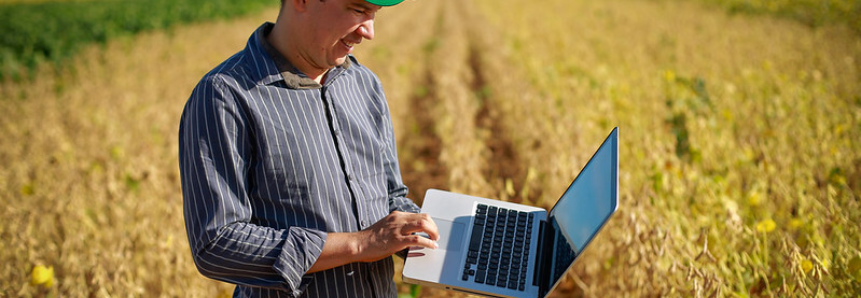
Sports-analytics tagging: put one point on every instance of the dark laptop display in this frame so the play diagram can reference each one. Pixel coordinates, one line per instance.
(580, 213)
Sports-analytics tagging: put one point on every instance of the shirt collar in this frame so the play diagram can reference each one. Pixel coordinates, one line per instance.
(292, 77)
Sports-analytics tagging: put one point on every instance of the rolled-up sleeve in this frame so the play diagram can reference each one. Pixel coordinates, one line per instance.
(214, 157)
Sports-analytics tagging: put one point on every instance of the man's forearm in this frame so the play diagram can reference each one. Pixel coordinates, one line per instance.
(340, 249)
(391, 234)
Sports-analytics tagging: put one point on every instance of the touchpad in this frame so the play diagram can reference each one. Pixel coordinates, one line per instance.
(450, 234)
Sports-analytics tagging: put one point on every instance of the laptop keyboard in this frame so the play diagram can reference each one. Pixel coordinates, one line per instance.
(564, 257)
(499, 248)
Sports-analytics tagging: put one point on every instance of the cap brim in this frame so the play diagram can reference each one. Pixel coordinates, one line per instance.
(384, 2)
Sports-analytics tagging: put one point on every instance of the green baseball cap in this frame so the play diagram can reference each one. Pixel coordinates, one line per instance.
(384, 2)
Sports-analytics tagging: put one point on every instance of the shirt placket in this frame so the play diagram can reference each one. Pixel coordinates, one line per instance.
(350, 177)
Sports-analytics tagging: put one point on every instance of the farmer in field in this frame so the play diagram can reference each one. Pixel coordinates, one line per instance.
(290, 177)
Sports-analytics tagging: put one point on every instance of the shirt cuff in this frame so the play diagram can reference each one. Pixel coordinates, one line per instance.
(404, 205)
(301, 249)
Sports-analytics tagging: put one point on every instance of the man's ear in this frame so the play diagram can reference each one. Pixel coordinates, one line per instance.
(300, 5)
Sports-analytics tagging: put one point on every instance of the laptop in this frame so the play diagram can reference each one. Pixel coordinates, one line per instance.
(501, 249)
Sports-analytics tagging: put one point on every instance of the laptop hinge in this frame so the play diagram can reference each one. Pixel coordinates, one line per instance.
(541, 274)
(539, 254)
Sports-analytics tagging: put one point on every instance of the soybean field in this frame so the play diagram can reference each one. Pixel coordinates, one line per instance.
(740, 142)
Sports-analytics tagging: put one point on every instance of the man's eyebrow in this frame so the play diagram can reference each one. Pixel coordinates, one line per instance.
(365, 5)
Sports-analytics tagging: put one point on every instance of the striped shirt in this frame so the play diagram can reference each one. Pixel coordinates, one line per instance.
(271, 161)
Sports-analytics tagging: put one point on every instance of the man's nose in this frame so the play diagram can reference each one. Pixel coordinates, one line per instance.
(366, 29)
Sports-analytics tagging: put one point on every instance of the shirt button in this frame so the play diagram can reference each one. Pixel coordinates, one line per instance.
(337, 133)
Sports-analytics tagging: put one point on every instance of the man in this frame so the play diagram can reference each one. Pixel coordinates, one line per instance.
(290, 179)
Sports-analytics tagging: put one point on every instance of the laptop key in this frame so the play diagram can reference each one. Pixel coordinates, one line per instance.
(475, 241)
(479, 276)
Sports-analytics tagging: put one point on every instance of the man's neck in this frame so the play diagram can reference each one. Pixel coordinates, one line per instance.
(283, 45)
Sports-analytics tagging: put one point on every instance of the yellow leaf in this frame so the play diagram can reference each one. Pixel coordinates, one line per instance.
(766, 226)
(670, 76)
(727, 114)
(509, 187)
(42, 275)
(754, 199)
(795, 223)
(806, 265)
(169, 241)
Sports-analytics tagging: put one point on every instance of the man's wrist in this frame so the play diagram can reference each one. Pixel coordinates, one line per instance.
(356, 245)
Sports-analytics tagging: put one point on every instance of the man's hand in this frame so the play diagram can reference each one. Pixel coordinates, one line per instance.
(394, 233)
(391, 234)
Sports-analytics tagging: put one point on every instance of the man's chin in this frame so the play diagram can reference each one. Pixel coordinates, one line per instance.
(340, 61)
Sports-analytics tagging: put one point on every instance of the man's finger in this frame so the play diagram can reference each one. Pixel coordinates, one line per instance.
(421, 223)
(430, 227)
(420, 240)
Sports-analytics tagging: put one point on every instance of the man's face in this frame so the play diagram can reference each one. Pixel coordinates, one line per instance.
(338, 25)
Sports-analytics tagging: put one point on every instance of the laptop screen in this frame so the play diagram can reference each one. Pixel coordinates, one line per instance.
(585, 207)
